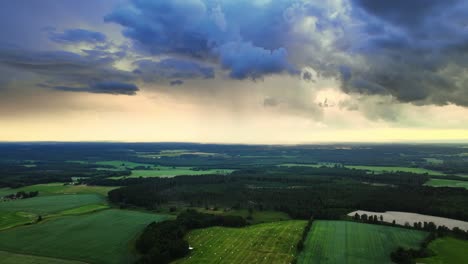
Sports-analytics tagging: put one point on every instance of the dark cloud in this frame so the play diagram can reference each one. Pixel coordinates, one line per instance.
(65, 69)
(410, 13)
(115, 88)
(78, 35)
(176, 83)
(151, 71)
(307, 76)
(413, 50)
(244, 37)
(247, 61)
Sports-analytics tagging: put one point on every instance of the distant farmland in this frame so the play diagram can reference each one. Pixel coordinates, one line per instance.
(263, 243)
(13, 213)
(101, 237)
(447, 250)
(349, 242)
(447, 183)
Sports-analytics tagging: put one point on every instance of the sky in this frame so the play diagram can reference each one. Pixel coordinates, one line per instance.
(234, 71)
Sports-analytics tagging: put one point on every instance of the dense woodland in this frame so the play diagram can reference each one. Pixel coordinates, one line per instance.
(323, 197)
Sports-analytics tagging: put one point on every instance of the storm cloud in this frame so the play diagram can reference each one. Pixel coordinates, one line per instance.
(103, 88)
(206, 31)
(77, 35)
(68, 69)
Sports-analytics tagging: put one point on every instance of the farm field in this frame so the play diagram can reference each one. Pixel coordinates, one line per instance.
(401, 218)
(51, 204)
(447, 250)
(19, 212)
(262, 243)
(12, 258)
(101, 237)
(161, 171)
(59, 188)
(447, 183)
(349, 242)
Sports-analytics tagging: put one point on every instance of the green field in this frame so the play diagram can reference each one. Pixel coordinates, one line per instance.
(101, 237)
(262, 243)
(447, 250)
(162, 171)
(434, 161)
(151, 170)
(349, 242)
(51, 204)
(447, 183)
(19, 212)
(59, 188)
(12, 258)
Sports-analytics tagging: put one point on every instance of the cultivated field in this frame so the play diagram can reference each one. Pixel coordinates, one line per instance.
(162, 171)
(12, 258)
(447, 183)
(401, 218)
(262, 243)
(101, 237)
(447, 250)
(59, 188)
(349, 242)
(51, 204)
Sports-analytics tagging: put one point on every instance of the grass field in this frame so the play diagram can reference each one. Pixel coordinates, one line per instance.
(447, 250)
(59, 188)
(19, 212)
(12, 258)
(101, 237)
(349, 242)
(263, 243)
(51, 204)
(161, 171)
(447, 183)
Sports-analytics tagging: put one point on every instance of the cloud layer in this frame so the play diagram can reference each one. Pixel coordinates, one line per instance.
(229, 33)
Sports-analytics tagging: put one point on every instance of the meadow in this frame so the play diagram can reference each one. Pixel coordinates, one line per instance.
(59, 188)
(447, 250)
(447, 183)
(263, 243)
(101, 237)
(19, 212)
(51, 204)
(13, 258)
(350, 242)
